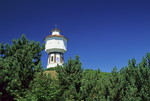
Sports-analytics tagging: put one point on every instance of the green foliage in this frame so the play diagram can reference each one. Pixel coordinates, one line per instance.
(51, 69)
(69, 78)
(18, 64)
(22, 78)
(42, 88)
(95, 85)
(131, 82)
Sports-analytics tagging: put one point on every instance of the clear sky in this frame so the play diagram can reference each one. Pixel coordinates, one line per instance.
(104, 33)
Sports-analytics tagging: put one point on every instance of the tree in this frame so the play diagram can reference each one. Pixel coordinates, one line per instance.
(132, 82)
(69, 77)
(19, 63)
(42, 88)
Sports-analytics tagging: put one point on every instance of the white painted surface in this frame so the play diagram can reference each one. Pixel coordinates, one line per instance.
(55, 33)
(54, 65)
(56, 44)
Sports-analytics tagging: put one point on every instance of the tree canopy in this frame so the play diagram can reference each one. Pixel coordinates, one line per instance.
(18, 64)
(22, 78)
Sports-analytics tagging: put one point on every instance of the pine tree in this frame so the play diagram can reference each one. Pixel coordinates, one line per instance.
(19, 62)
(69, 77)
(42, 88)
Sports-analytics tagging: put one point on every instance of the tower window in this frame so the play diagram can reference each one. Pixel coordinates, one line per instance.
(57, 59)
(52, 58)
(61, 58)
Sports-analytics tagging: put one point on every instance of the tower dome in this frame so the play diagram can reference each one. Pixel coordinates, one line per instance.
(56, 46)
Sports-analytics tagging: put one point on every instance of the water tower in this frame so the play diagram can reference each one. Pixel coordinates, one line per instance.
(56, 46)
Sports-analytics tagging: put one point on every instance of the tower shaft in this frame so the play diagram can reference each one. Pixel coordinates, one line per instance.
(54, 59)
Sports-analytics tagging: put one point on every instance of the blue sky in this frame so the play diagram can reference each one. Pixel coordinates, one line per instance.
(104, 33)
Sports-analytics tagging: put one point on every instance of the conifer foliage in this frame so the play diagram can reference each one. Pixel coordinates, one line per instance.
(23, 79)
(18, 64)
(69, 78)
(42, 88)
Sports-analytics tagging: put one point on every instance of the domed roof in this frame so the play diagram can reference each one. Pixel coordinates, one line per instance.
(56, 33)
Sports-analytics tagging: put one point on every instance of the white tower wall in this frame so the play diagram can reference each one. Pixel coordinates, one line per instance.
(55, 44)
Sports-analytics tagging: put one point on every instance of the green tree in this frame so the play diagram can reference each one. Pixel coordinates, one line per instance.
(42, 88)
(18, 64)
(69, 77)
(132, 82)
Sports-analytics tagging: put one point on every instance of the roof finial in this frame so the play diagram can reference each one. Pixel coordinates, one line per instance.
(56, 29)
(55, 26)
